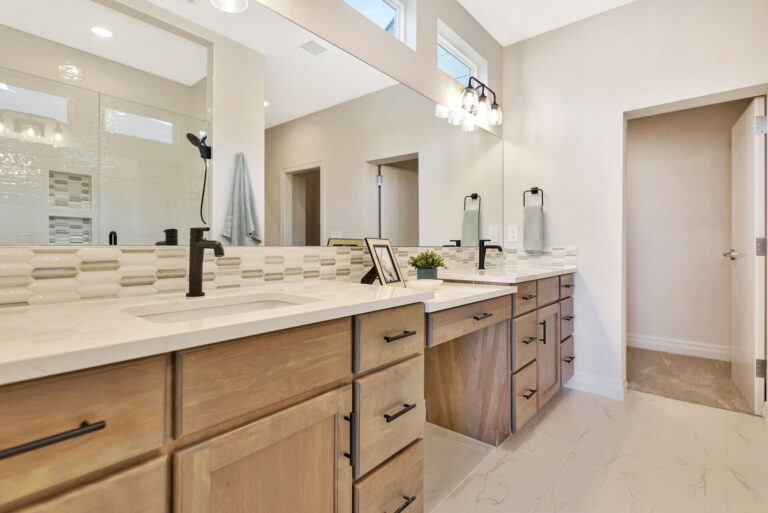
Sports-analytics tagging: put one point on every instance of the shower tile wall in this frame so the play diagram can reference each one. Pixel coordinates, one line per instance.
(41, 275)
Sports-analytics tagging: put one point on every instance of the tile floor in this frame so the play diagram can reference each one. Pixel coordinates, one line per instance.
(588, 454)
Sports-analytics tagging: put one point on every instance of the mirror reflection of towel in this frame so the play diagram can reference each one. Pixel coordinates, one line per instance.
(470, 228)
(240, 225)
(533, 228)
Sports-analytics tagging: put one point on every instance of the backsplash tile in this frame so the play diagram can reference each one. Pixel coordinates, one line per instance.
(45, 274)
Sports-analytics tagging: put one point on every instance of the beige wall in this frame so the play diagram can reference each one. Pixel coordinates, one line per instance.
(342, 25)
(678, 225)
(565, 95)
(396, 121)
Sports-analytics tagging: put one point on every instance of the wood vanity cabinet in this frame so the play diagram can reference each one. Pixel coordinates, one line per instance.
(548, 353)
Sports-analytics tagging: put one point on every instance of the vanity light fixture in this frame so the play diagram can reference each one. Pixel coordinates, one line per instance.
(57, 135)
(102, 32)
(455, 117)
(2, 125)
(231, 6)
(441, 111)
(266, 103)
(475, 101)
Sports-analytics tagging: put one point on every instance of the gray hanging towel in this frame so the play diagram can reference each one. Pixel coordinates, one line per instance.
(240, 225)
(533, 228)
(470, 228)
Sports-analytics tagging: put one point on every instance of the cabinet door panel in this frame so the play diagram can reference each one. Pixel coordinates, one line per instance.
(548, 359)
(290, 462)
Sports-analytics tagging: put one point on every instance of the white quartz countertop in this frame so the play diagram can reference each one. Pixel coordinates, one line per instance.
(505, 275)
(451, 295)
(44, 340)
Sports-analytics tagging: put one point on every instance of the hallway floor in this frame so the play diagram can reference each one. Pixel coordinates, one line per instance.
(589, 454)
(687, 378)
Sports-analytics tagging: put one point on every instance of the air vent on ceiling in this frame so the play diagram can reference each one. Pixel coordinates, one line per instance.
(313, 48)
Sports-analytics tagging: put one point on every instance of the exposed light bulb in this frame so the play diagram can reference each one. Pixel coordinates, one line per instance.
(483, 106)
(57, 135)
(441, 111)
(2, 126)
(454, 117)
(30, 132)
(468, 124)
(102, 32)
(495, 115)
(233, 6)
(266, 103)
(469, 98)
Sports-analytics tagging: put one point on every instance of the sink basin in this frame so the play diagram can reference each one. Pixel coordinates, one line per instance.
(191, 309)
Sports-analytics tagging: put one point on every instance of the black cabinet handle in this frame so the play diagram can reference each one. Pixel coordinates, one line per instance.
(408, 502)
(569, 359)
(351, 419)
(406, 408)
(404, 334)
(529, 340)
(528, 297)
(568, 318)
(483, 316)
(544, 323)
(530, 394)
(567, 286)
(84, 429)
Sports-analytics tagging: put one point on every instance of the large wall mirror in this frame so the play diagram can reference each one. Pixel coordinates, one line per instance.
(94, 147)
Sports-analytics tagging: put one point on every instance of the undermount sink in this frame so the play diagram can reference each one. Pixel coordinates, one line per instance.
(202, 308)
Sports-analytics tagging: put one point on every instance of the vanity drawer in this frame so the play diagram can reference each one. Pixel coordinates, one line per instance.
(141, 489)
(389, 411)
(568, 358)
(566, 318)
(105, 416)
(453, 323)
(398, 483)
(549, 291)
(388, 335)
(566, 286)
(224, 381)
(526, 336)
(524, 392)
(526, 297)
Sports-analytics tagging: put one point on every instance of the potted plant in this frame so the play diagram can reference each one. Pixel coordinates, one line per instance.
(426, 264)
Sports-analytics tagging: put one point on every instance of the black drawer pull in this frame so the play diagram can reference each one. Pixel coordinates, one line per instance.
(406, 408)
(84, 429)
(529, 340)
(483, 316)
(528, 297)
(568, 318)
(530, 393)
(544, 323)
(567, 286)
(404, 334)
(408, 502)
(351, 419)
(569, 359)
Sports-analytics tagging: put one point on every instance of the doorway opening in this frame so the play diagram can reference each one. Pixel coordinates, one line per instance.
(397, 181)
(695, 196)
(302, 207)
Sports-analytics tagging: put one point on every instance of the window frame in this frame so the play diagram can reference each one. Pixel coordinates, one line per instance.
(459, 55)
(399, 8)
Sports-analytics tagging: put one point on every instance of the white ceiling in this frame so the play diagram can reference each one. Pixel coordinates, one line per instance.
(297, 83)
(135, 44)
(510, 21)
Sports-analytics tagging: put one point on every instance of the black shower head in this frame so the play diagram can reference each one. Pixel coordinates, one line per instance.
(205, 150)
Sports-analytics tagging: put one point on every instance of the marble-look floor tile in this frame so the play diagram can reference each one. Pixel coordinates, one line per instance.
(647, 454)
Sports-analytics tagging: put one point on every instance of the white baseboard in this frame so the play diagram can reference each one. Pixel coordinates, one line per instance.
(598, 385)
(678, 346)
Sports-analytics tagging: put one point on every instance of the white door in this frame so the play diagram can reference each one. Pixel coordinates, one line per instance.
(748, 283)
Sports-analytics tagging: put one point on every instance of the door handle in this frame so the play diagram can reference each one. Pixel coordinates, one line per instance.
(544, 324)
(732, 254)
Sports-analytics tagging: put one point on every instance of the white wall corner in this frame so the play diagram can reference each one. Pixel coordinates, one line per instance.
(613, 388)
(678, 346)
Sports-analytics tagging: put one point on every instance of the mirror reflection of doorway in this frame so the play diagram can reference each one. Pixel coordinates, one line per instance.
(398, 184)
(303, 198)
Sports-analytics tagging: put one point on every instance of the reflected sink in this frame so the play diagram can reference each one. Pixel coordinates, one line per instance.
(202, 308)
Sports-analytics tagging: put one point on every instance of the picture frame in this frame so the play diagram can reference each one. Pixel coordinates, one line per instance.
(385, 263)
(351, 243)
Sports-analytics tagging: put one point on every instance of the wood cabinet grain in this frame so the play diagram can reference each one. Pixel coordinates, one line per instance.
(526, 298)
(387, 336)
(398, 483)
(548, 357)
(453, 323)
(525, 391)
(568, 360)
(525, 340)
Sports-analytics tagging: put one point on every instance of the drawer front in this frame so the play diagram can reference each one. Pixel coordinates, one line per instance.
(566, 286)
(390, 413)
(526, 299)
(455, 322)
(388, 335)
(568, 358)
(549, 291)
(107, 415)
(141, 489)
(566, 318)
(526, 336)
(224, 381)
(398, 483)
(524, 395)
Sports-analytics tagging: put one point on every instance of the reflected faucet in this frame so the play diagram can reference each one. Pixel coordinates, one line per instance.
(197, 246)
(484, 249)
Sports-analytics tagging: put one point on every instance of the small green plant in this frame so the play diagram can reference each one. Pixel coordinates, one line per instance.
(427, 260)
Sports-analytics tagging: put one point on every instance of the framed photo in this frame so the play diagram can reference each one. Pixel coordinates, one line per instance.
(385, 263)
(334, 241)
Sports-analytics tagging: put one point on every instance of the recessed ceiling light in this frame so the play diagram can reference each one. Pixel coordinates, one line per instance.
(230, 5)
(101, 32)
(266, 103)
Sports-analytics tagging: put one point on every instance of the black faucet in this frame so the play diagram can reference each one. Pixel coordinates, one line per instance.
(197, 246)
(483, 249)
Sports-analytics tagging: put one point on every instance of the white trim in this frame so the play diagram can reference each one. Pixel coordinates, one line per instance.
(460, 56)
(447, 37)
(678, 346)
(286, 191)
(399, 8)
(598, 385)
